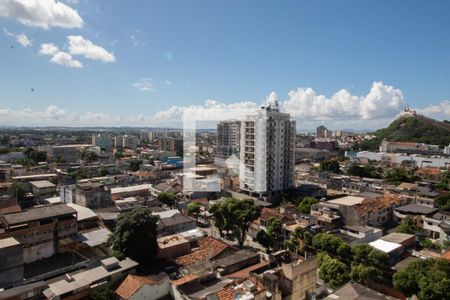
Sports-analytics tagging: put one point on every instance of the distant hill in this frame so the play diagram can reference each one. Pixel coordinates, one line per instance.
(412, 128)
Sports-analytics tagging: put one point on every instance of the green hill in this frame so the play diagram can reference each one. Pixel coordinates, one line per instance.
(412, 128)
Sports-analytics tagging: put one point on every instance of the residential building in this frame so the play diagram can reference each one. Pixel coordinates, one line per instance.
(417, 212)
(41, 230)
(228, 138)
(294, 280)
(80, 285)
(105, 142)
(11, 262)
(173, 246)
(130, 142)
(144, 287)
(93, 195)
(67, 153)
(43, 189)
(267, 149)
(355, 291)
(372, 210)
(354, 235)
(409, 148)
(133, 190)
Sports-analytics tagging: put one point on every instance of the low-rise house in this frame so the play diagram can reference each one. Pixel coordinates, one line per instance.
(28, 291)
(43, 189)
(372, 211)
(326, 215)
(93, 195)
(82, 284)
(142, 190)
(172, 222)
(173, 246)
(11, 262)
(417, 212)
(355, 291)
(43, 231)
(394, 250)
(359, 234)
(144, 287)
(431, 174)
(208, 248)
(292, 280)
(404, 239)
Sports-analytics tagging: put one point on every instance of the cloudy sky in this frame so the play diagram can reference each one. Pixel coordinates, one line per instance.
(344, 64)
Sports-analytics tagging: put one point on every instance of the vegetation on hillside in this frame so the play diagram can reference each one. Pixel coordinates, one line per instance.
(418, 129)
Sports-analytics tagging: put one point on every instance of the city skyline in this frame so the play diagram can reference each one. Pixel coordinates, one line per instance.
(312, 56)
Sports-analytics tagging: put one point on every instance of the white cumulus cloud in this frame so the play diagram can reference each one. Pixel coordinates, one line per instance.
(78, 45)
(59, 57)
(41, 13)
(21, 38)
(145, 84)
(382, 101)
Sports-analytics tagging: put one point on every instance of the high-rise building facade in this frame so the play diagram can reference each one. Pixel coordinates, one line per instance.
(267, 151)
(228, 138)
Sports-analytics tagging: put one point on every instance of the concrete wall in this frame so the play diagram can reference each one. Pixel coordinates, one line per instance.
(11, 266)
(39, 251)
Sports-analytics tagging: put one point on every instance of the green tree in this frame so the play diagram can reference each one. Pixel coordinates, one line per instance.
(193, 209)
(443, 201)
(333, 272)
(167, 198)
(300, 241)
(237, 215)
(332, 245)
(135, 164)
(397, 176)
(18, 191)
(272, 238)
(118, 154)
(135, 236)
(361, 273)
(265, 240)
(407, 226)
(305, 204)
(104, 172)
(429, 279)
(105, 294)
(219, 219)
(88, 155)
(329, 166)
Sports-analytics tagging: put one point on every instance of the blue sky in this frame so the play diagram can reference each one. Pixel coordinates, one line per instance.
(142, 60)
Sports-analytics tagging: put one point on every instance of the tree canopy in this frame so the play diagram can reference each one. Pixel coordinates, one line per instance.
(193, 209)
(305, 204)
(135, 236)
(443, 201)
(407, 226)
(329, 166)
(272, 236)
(235, 215)
(428, 278)
(167, 198)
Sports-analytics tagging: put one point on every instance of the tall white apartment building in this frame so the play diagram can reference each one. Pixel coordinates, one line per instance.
(228, 138)
(267, 151)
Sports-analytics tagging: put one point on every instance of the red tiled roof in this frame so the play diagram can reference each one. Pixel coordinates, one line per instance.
(446, 255)
(185, 279)
(227, 293)
(131, 284)
(267, 213)
(245, 273)
(208, 248)
(429, 171)
(373, 204)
